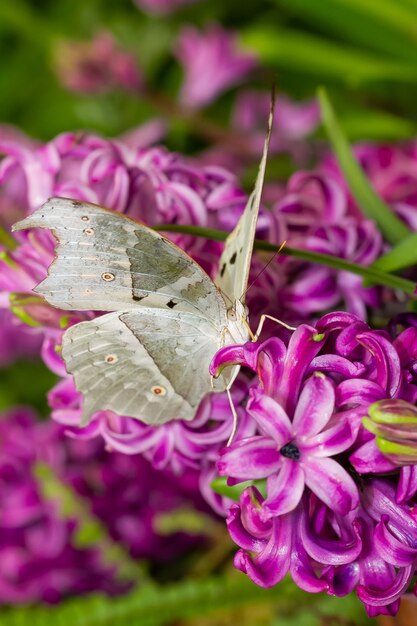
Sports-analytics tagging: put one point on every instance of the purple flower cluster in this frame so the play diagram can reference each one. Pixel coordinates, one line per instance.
(326, 505)
(40, 556)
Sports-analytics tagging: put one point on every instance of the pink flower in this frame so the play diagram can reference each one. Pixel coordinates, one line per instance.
(96, 66)
(212, 63)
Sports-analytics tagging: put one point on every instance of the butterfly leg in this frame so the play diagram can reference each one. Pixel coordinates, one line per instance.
(274, 319)
(232, 407)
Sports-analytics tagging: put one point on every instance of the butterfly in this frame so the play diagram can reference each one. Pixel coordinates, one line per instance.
(149, 357)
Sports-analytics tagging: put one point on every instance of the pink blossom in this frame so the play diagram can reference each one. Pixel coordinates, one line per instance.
(212, 63)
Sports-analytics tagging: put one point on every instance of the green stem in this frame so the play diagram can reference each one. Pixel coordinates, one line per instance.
(374, 275)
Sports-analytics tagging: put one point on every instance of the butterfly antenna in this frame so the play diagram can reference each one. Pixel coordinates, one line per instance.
(263, 270)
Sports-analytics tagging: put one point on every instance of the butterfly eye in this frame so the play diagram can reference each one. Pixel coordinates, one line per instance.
(231, 315)
(158, 391)
(108, 276)
(88, 231)
(111, 358)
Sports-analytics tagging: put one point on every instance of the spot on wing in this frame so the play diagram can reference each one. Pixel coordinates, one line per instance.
(88, 231)
(108, 277)
(111, 358)
(85, 218)
(222, 271)
(171, 304)
(76, 203)
(157, 390)
(233, 258)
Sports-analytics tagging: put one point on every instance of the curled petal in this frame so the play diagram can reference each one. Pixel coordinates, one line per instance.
(271, 564)
(407, 484)
(331, 484)
(338, 551)
(393, 589)
(270, 367)
(234, 355)
(238, 532)
(252, 513)
(336, 321)
(337, 365)
(387, 362)
(390, 548)
(358, 391)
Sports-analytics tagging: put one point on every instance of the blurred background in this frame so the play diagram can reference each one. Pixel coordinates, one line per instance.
(78, 524)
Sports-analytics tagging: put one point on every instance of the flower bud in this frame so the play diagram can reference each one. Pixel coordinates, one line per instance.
(394, 424)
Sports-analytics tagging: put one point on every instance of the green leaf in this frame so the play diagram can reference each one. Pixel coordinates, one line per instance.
(371, 274)
(393, 229)
(403, 255)
(381, 25)
(220, 486)
(307, 54)
(154, 605)
(372, 125)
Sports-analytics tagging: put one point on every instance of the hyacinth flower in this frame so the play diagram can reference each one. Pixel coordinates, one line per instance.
(326, 492)
(212, 63)
(42, 559)
(315, 210)
(392, 172)
(96, 66)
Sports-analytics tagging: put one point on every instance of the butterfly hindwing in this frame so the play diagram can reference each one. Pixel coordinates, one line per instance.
(148, 364)
(235, 261)
(108, 262)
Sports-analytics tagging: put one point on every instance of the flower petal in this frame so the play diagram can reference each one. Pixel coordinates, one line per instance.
(331, 484)
(315, 406)
(284, 490)
(270, 417)
(250, 458)
(334, 440)
(369, 459)
(271, 564)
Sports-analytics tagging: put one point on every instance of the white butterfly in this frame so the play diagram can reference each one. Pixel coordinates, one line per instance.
(149, 358)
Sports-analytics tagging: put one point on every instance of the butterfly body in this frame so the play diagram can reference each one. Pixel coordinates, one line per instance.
(148, 357)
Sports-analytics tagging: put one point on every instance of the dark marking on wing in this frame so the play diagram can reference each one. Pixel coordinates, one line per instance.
(137, 298)
(223, 269)
(76, 203)
(233, 258)
(171, 304)
(157, 264)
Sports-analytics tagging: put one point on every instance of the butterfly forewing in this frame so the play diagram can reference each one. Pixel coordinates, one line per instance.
(235, 261)
(107, 262)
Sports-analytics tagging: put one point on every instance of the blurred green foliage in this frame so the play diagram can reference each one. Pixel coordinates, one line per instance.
(364, 52)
